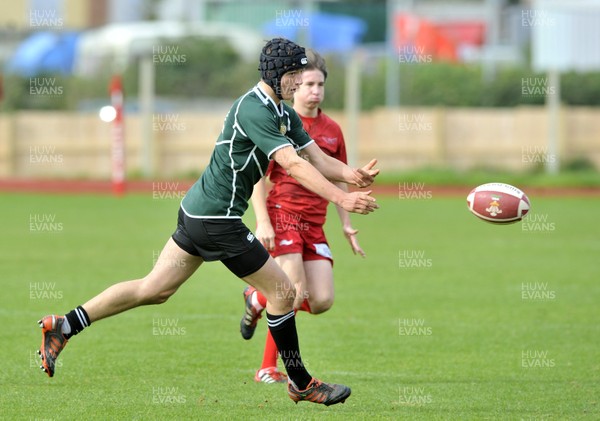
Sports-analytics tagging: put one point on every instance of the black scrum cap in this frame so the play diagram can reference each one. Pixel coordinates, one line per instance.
(278, 57)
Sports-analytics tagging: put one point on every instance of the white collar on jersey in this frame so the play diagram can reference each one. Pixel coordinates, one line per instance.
(265, 98)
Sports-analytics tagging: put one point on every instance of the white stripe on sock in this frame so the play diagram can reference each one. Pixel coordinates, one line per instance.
(275, 323)
(81, 317)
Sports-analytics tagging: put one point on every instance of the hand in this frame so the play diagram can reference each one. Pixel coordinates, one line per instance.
(265, 234)
(350, 234)
(359, 202)
(366, 175)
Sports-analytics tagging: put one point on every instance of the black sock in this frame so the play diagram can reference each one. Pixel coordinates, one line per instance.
(78, 320)
(283, 330)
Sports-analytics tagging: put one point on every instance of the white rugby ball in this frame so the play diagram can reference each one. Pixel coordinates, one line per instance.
(498, 203)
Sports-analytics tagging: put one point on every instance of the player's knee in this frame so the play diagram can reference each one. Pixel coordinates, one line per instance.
(150, 295)
(161, 296)
(320, 305)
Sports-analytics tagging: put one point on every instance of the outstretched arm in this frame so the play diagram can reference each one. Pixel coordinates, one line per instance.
(336, 170)
(313, 180)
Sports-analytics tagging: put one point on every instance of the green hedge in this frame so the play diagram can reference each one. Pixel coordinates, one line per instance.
(444, 84)
(211, 69)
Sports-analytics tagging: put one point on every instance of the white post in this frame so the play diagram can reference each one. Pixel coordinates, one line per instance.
(352, 106)
(392, 72)
(146, 99)
(553, 108)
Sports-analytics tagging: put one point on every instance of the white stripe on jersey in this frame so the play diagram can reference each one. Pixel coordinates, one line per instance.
(233, 175)
(206, 216)
(289, 121)
(266, 98)
(257, 164)
(250, 156)
(277, 148)
(236, 127)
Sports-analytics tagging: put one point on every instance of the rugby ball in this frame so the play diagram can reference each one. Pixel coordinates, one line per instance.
(498, 203)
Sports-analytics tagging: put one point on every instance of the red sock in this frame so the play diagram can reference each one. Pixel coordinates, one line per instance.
(261, 299)
(270, 354)
(305, 306)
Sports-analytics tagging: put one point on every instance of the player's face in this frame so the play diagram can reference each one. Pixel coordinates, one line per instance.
(290, 82)
(312, 91)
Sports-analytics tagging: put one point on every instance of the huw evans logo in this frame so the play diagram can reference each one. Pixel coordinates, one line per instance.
(537, 291)
(412, 190)
(538, 223)
(45, 154)
(45, 86)
(167, 123)
(44, 223)
(167, 395)
(414, 259)
(45, 18)
(413, 327)
(168, 54)
(291, 18)
(167, 327)
(414, 123)
(44, 291)
(536, 87)
(413, 396)
(413, 54)
(536, 359)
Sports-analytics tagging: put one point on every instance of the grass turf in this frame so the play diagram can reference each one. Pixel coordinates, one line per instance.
(447, 318)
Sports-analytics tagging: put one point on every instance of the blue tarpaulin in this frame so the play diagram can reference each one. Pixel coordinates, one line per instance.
(44, 52)
(324, 32)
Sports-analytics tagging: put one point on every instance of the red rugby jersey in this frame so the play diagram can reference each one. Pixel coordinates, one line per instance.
(286, 193)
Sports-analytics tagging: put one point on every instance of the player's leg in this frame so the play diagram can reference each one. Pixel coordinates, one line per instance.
(291, 264)
(254, 300)
(282, 324)
(271, 280)
(316, 280)
(316, 277)
(318, 269)
(173, 267)
(319, 285)
(268, 371)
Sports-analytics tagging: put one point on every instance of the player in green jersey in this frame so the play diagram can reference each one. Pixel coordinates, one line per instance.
(259, 127)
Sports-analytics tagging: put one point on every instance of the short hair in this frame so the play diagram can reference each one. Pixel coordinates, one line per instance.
(316, 62)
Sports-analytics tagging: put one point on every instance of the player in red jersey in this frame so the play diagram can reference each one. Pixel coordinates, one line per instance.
(290, 222)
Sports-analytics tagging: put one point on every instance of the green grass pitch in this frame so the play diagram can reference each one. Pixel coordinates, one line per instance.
(448, 317)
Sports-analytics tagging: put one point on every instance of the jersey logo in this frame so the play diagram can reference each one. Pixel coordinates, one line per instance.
(330, 140)
(286, 242)
(250, 237)
(283, 128)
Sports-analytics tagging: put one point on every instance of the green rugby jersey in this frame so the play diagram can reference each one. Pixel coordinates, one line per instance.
(254, 128)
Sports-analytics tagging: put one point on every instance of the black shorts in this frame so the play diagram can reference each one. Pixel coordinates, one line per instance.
(227, 240)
